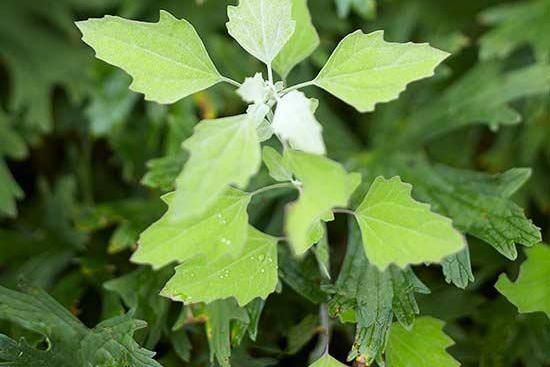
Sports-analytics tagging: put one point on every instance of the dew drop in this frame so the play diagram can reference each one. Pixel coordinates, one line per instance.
(261, 257)
(262, 270)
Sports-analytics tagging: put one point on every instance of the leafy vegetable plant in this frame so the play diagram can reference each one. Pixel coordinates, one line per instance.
(212, 253)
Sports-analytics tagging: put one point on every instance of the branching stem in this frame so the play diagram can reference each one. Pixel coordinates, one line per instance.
(298, 86)
(343, 211)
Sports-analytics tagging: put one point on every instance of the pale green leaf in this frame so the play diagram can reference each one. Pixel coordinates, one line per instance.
(531, 290)
(327, 361)
(295, 123)
(221, 229)
(251, 274)
(302, 43)
(396, 229)
(274, 163)
(326, 185)
(167, 59)
(223, 151)
(365, 70)
(262, 27)
(422, 346)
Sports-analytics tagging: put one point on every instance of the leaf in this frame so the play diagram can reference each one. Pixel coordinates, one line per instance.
(531, 290)
(262, 27)
(327, 361)
(251, 274)
(303, 42)
(218, 326)
(295, 123)
(510, 32)
(478, 203)
(422, 346)
(396, 229)
(254, 90)
(70, 342)
(481, 96)
(365, 70)
(9, 191)
(374, 296)
(458, 269)
(274, 163)
(220, 230)
(223, 151)
(300, 334)
(167, 59)
(317, 196)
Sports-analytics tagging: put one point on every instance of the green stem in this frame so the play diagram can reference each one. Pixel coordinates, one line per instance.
(298, 86)
(273, 187)
(231, 81)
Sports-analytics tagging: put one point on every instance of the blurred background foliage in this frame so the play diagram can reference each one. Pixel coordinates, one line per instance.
(83, 161)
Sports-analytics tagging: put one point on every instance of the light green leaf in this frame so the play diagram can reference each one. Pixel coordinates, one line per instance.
(262, 27)
(221, 229)
(274, 163)
(531, 291)
(302, 43)
(422, 346)
(327, 361)
(251, 274)
(254, 90)
(223, 151)
(167, 60)
(365, 70)
(295, 123)
(397, 229)
(325, 185)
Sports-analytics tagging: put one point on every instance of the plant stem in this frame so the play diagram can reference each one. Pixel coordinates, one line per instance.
(273, 187)
(270, 74)
(231, 81)
(324, 334)
(298, 86)
(343, 211)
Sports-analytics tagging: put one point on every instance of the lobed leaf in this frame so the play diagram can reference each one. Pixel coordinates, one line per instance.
(365, 70)
(262, 27)
(396, 229)
(167, 60)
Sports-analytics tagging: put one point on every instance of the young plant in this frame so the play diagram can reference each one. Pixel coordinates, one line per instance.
(206, 229)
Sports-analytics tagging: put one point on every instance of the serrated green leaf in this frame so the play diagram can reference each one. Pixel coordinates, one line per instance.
(303, 42)
(478, 203)
(295, 123)
(70, 342)
(223, 151)
(422, 346)
(221, 229)
(167, 59)
(248, 275)
(531, 290)
(396, 229)
(327, 361)
(274, 163)
(510, 32)
(458, 269)
(325, 185)
(218, 326)
(373, 297)
(262, 27)
(365, 70)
